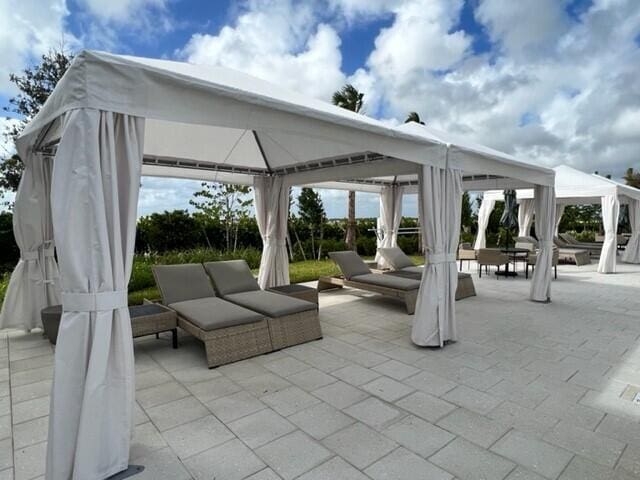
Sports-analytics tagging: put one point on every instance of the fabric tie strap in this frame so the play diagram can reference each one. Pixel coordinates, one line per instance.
(30, 256)
(438, 258)
(546, 243)
(91, 302)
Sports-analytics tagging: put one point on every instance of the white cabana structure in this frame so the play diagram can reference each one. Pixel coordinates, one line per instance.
(114, 118)
(574, 187)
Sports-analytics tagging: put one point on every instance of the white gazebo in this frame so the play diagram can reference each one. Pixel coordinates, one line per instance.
(574, 187)
(114, 118)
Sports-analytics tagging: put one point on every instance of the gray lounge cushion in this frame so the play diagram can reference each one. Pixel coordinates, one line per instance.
(350, 263)
(231, 276)
(396, 258)
(389, 281)
(214, 313)
(271, 304)
(178, 283)
(413, 269)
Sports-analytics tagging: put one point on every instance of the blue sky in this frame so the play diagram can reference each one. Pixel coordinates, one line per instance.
(551, 81)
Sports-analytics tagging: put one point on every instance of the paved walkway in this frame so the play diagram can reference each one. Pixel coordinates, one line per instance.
(530, 392)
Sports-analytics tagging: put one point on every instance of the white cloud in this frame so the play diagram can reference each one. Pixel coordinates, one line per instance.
(123, 11)
(278, 41)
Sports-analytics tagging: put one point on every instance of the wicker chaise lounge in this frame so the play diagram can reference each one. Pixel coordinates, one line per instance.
(291, 321)
(356, 274)
(229, 332)
(566, 254)
(403, 266)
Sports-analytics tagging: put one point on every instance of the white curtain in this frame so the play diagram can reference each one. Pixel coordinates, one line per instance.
(525, 217)
(390, 217)
(632, 250)
(272, 214)
(545, 208)
(610, 212)
(94, 195)
(559, 212)
(440, 204)
(484, 212)
(34, 281)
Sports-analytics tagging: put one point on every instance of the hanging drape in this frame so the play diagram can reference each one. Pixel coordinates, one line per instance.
(34, 281)
(484, 212)
(440, 204)
(525, 217)
(96, 179)
(559, 212)
(545, 212)
(272, 214)
(390, 217)
(632, 250)
(610, 212)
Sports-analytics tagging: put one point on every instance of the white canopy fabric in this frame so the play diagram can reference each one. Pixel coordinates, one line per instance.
(525, 217)
(390, 217)
(545, 206)
(631, 253)
(113, 118)
(484, 212)
(610, 213)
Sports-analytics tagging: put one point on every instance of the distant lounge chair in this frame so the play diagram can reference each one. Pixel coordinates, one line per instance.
(291, 320)
(356, 274)
(403, 266)
(532, 258)
(566, 254)
(571, 242)
(229, 332)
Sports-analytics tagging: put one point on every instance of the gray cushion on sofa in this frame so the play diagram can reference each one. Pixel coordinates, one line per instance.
(271, 304)
(350, 263)
(389, 281)
(213, 313)
(396, 258)
(231, 276)
(182, 282)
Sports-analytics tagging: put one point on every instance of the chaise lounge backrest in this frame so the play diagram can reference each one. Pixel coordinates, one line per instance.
(396, 258)
(231, 276)
(350, 263)
(178, 283)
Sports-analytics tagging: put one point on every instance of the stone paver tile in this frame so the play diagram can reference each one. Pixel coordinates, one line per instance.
(5, 427)
(30, 391)
(528, 421)
(387, 389)
(177, 413)
(630, 461)
(402, 464)
(261, 427)
(396, 370)
(6, 454)
(197, 436)
(334, 469)
(214, 388)
(162, 463)
(24, 411)
(287, 366)
(418, 436)
(472, 399)
(431, 383)
(321, 420)
(374, 412)
(235, 406)
(146, 440)
(340, 394)
(188, 376)
(576, 414)
(289, 401)
(31, 376)
(229, 461)
(522, 474)
(355, 374)
(479, 429)
(28, 433)
(159, 394)
(470, 462)
(541, 457)
(266, 474)
(242, 370)
(30, 461)
(426, 406)
(293, 454)
(8, 474)
(151, 378)
(359, 445)
(620, 428)
(311, 379)
(264, 384)
(525, 395)
(581, 468)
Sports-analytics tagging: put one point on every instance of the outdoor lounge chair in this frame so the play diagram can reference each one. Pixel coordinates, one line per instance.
(403, 266)
(356, 274)
(532, 257)
(466, 252)
(490, 257)
(229, 332)
(566, 254)
(291, 321)
(571, 242)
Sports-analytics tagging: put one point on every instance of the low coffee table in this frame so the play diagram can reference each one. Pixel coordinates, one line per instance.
(515, 255)
(147, 319)
(295, 290)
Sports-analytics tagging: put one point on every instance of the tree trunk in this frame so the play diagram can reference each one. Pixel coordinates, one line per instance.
(295, 232)
(350, 238)
(320, 242)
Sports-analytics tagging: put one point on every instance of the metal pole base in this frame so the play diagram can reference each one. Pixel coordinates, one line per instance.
(129, 472)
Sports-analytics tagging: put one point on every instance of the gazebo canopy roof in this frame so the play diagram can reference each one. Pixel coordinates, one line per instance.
(216, 124)
(575, 187)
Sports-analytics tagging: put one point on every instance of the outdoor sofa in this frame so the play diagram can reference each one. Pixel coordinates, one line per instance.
(291, 320)
(229, 332)
(356, 274)
(402, 265)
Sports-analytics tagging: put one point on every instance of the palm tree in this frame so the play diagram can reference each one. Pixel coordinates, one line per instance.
(413, 117)
(349, 98)
(632, 178)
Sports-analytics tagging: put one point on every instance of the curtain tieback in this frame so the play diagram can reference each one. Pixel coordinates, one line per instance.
(546, 243)
(30, 256)
(438, 258)
(90, 302)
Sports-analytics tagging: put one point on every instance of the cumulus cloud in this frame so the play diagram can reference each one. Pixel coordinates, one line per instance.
(121, 10)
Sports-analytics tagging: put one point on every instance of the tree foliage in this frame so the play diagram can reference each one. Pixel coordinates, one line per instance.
(414, 117)
(632, 178)
(312, 214)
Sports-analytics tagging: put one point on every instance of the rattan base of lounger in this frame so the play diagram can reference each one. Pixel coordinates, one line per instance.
(294, 329)
(409, 297)
(465, 288)
(579, 258)
(230, 344)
